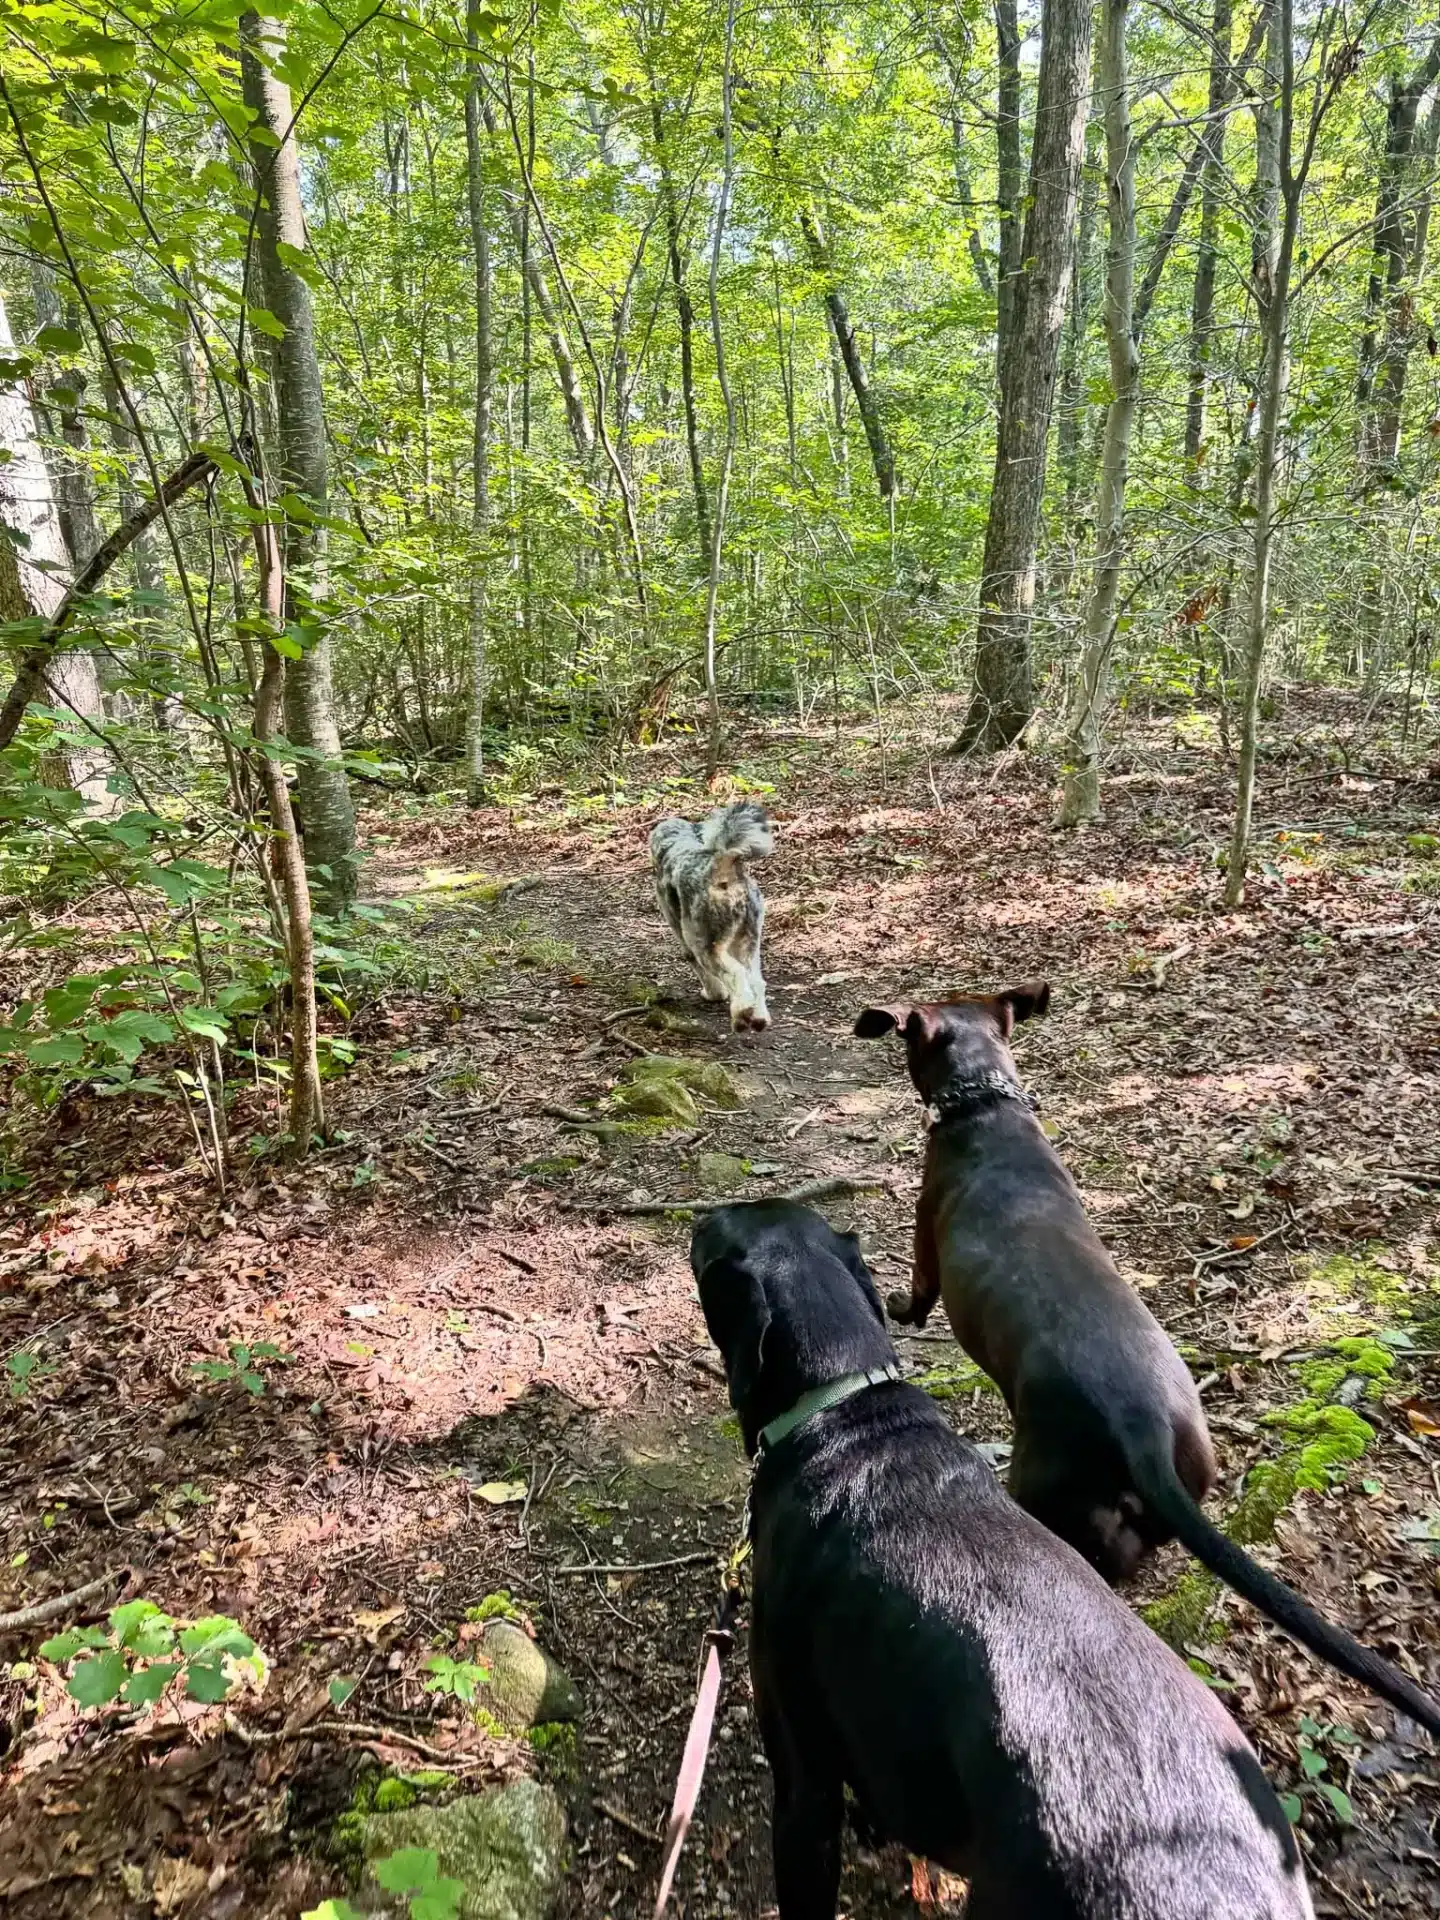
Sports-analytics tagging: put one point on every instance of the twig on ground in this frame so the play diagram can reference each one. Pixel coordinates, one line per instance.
(394, 1738)
(623, 1819)
(1238, 1253)
(639, 1566)
(44, 1610)
(812, 1190)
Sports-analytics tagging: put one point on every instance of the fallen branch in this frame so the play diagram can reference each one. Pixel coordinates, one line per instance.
(354, 1730)
(641, 1566)
(812, 1190)
(31, 675)
(44, 1610)
(623, 1819)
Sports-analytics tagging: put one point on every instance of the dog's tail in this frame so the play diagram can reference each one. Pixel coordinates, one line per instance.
(743, 829)
(1163, 1491)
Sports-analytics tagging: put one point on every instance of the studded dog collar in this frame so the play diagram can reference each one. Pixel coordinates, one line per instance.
(967, 1092)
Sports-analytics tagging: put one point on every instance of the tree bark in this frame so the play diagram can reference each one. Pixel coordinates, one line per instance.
(577, 414)
(480, 451)
(1400, 226)
(34, 574)
(1081, 797)
(1072, 367)
(1003, 698)
(1277, 198)
(685, 315)
(866, 404)
(727, 458)
(1008, 177)
(310, 721)
(1207, 253)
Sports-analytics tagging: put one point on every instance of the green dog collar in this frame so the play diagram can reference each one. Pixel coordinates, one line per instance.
(819, 1398)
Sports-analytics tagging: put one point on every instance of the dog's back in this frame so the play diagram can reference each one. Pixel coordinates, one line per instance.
(991, 1704)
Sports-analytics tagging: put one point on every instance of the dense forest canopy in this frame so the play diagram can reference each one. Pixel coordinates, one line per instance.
(389, 381)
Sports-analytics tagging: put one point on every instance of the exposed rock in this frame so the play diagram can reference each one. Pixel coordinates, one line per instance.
(506, 1847)
(719, 1172)
(526, 1687)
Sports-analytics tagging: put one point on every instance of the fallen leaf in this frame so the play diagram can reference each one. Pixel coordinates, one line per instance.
(1245, 1208)
(502, 1493)
(1423, 1415)
(373, 1622)
(1242, 1240)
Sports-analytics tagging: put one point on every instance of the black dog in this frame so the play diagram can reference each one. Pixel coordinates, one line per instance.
(1112, 1451)
(917, 1637)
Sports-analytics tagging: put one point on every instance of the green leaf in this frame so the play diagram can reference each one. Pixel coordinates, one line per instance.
(1290, 1805)
(134, 355)
(1312, 1764)
(67, 1003)
(64, 1646)
(61, 1050)
(145, 1686)
(206, 1680)
(209, 1026)
(217, 1633)
(440, 1902)
(99, 1679)
(59, 340)
(409, 1870)
(340, 1689)
(252, 1382)
(331, 1910)
(265, 322)
(1340, 1801)
(142, 1627)
(286, 647)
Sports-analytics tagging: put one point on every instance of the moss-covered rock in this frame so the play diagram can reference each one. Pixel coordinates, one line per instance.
(506, 1848)
(706, 1077)
(1182, 1616)
(719, 1172)
(657, 1099)
(526, 1687)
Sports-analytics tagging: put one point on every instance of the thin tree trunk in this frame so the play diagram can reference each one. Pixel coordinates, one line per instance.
(1081, 797)
(577, 414)
(1072, 369)
(310, 721)
(685, 314)
(1391, 325)
(1008, 176)
(868, 407)
(480, 459)
(34, 572)
(1277, 215)
(1003, 698)
(727, 458)
(149, 573)
(1207, 253)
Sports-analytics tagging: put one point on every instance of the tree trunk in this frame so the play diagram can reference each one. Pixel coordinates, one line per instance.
(34, 574)
(577, 414)
(1277, 217)
(1081, 799)
(1391, 327)
(325, 803)
(480, 457)
(1008, 180)
(1072, 369)
(685, 314)
(166, 704)
(1207, 254)
(727, 458)
(1003, 698)
(881, 457)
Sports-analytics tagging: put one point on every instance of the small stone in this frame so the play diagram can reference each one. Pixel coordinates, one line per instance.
(719, 1172)
(526, 1687)
(659, 1100)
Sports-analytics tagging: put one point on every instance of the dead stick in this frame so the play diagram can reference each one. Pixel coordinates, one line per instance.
(812, 1190)
(44, 1610)
(622, 1819)
(640, 1566)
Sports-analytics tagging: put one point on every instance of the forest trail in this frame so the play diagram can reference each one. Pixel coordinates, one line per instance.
(461, 1311)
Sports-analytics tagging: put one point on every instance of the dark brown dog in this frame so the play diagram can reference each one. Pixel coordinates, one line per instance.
(1111, 1448)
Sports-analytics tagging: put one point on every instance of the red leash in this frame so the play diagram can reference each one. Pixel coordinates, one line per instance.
(718, 1642)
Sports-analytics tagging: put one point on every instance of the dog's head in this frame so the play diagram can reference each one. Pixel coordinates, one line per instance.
(968, 1034)
(789, 1302)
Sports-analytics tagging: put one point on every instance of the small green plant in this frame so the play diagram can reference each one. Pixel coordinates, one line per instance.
(415, 1873)
(495, 1606)
(243, 1365)
(1314, 1765)
(26, 1369)
(142, 1650)
(462, 1678)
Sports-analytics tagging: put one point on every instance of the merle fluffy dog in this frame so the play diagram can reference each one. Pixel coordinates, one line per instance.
(713, 905)
(918, 1638)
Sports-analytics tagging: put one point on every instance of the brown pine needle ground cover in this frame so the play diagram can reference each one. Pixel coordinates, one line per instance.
(479, 1373)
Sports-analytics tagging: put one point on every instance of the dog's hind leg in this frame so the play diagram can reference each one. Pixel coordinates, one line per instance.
(809, 1810)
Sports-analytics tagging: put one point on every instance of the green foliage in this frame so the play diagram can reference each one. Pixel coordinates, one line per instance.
(244, 1366)
(1315, 1763)
(415, 1873)
(142, 1650)
(461, 1678)
(495, 1606)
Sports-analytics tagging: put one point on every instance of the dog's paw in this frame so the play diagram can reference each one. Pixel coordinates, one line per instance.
(900, 1307)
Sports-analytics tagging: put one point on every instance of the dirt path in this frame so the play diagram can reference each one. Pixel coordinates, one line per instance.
(1250, 1106)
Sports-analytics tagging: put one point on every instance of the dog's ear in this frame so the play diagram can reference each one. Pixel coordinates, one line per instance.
(877, 1020)
(1029, 1002)
(738, 1316)
(855, 1260)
